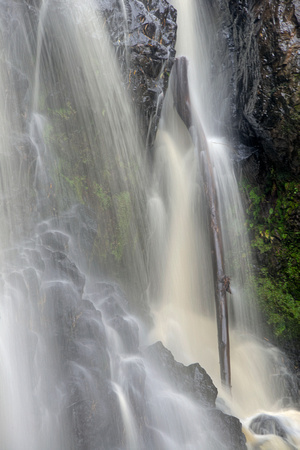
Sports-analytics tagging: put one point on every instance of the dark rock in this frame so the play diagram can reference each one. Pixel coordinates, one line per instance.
(55, 240)
(108, 298)
(77, 232)
(229, 430)
(145, 48)
(93, 406)
(81, 368)
(191, 380)
(264, 40)
(112, 308)
(60, 303)
(61, 267)
(266, 424)
(128, 331)
(36, 259)
(219, 430)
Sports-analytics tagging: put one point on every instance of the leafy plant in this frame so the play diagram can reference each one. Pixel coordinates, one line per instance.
(273, 220)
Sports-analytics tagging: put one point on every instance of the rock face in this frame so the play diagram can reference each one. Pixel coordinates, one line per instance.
(192, 380)
(220, 430)
(265, 42)
(66, 342)
(143, 34)
(85, 352)
(263, 39)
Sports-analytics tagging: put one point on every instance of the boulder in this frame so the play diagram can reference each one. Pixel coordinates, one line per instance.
(266, 424)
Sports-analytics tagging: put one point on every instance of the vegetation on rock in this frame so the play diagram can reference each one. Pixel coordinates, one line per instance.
(273, 220)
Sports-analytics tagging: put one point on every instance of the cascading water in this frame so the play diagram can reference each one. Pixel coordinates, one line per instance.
(74, 202)
(184, 316)
(67, 134)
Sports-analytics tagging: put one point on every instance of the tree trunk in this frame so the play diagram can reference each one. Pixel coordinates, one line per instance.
(182, 103)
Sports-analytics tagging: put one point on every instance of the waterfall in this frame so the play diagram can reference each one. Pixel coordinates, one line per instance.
(183, 305)
(101, 256)
(72, 208)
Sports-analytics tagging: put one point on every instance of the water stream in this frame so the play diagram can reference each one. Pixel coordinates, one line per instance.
(101, 256)
(184, 315)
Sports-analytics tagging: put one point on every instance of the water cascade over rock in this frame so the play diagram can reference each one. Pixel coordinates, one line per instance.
(105, 259)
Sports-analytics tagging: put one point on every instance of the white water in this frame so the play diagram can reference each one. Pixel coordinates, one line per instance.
(75, 108)
(184, 306)
(72, 376)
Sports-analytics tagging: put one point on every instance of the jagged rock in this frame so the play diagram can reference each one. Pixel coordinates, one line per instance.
(191, 380)
(220, 430)
(229, 430)
(264, 39)
(145, 48)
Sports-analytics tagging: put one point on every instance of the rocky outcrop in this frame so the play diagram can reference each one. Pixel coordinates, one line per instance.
(219, 430)
(143, 34)
(192, 380)
(93, 352)
(264, 38)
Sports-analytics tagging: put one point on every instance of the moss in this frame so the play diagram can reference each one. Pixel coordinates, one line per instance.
(78, 184)
(103, 195)
(86, 173)
(281, 309)
(65, 113)
(273, 222)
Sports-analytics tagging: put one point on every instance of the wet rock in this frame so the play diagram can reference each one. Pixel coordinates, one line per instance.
(191, 380)
(32, 281)
(55, 240)
(111, 308)
(59, 306)
(61, 267)
(264, 39)
(229, 430)
(77, 232)
(145, 48)
(16, 279)
(219, 430)
(266, 424)
(133, 379)
(35, 258)
(93, 406)
(81, 366)
(108, 298)
(128, 331)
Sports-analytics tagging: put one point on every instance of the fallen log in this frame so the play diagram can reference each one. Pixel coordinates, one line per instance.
(183, 105)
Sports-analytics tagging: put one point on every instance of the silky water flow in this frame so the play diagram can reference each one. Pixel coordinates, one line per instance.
(184, 304)
(87, 236)
(73, 208)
